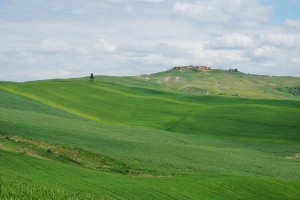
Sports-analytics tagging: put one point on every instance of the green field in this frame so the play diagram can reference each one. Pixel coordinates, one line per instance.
(139, 138)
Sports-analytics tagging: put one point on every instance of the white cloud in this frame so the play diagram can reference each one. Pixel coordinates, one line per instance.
(231, 41)
(248, 9)
(128, 9)
(63, 74)
(80, 51)
(269, 64)
(141, 47)
(53, 46)
(172, 51)
(198, 12)
(138, 49)
(103, 45)
(228, 57)
(282, 40)
(264, 51)
(293, 23)
(78, 11)
(296, 60)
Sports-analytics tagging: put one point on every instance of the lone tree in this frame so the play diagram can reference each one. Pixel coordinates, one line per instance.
(92, 77)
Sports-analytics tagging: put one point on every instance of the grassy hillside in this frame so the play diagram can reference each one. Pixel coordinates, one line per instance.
(227, 117)
(229, 84)
(57, 181)
(154, 164)
(215, 83)
(117, 139)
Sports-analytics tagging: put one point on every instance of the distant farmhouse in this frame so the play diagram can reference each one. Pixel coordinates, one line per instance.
(182, 68)
(200, 68)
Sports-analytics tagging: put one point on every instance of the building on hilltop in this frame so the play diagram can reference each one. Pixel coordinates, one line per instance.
(200, 68)
(182, 68)
(232, 70)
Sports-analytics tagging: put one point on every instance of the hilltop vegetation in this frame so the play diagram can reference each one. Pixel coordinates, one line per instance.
(290, 90)
(214, 82)
(132, 138)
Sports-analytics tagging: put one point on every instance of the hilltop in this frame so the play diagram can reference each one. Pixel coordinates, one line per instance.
(228, 83)
(214, 82)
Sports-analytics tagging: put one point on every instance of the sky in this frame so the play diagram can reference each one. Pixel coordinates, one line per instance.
(46, 39)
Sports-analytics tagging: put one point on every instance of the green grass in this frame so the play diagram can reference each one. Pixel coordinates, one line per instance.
(227, 117)
(12, 189)
(57, 181)
(126, 138)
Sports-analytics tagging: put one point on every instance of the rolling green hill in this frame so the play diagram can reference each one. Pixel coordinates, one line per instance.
(215, 82)
(236, 118)
(135, 138)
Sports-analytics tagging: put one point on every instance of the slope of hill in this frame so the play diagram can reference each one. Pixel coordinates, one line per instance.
(215, 82)
(78, 139)
(236, 118)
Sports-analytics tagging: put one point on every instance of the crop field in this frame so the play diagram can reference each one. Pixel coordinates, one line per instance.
(75, 139)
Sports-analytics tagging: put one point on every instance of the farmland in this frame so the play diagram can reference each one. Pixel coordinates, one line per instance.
(130, 138)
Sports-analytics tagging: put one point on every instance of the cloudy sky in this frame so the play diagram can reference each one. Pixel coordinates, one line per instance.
(43, 39)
